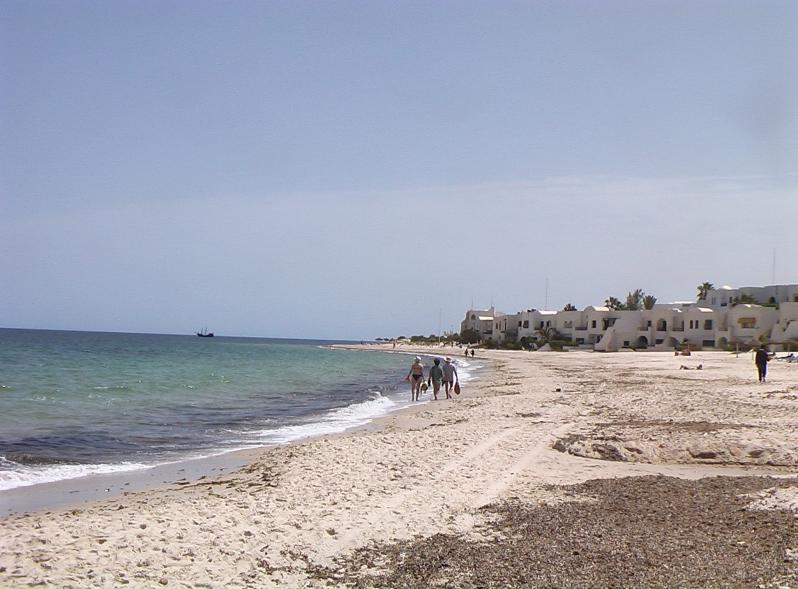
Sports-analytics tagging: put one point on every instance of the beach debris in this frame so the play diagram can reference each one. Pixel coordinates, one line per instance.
(670, 532)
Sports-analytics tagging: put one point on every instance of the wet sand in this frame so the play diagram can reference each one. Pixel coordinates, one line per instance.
(78, 491)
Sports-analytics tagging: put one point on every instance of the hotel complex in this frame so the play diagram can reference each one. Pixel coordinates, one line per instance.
(724, 317)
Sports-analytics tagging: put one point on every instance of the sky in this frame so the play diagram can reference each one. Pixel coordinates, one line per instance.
(353, 170)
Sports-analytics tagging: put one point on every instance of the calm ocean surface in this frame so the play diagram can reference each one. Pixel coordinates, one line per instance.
(77, 403)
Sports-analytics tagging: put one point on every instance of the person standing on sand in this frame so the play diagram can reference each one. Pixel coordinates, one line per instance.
(472, 352)
(436, 378)
(449, 377)
(761, 360)
(415, 377)
(466, 352)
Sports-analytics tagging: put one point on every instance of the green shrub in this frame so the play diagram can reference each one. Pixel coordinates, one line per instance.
(508, 345)
(557, 344)
(470, 336)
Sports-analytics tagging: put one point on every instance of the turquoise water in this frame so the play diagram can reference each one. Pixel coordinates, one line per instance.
(75, 403)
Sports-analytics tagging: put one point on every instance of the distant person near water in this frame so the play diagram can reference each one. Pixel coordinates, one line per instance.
(449, 377)
(466, 353)
(415, 377)
(472, 352)
(436, 378)
(761, 360)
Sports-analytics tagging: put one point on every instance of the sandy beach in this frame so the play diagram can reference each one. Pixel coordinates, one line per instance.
(572, 469)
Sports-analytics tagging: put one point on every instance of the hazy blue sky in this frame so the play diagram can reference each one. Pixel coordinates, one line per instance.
(358, 169)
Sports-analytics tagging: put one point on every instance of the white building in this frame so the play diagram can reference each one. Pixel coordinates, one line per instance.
(664, 326)
(719, 321)
(746, 324)
(532, 320)
(726, 296)
(786, 327)
(505, 328)
(480, 320)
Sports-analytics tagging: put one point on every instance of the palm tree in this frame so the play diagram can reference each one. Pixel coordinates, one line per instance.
(703, 290)
(613, 303)
(634, 300)
(649, 301)
(547, 334)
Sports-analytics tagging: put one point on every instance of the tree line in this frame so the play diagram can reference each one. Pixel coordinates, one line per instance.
(635, 301)
(638, 299)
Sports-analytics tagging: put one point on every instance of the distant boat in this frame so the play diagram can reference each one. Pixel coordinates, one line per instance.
(205, 333)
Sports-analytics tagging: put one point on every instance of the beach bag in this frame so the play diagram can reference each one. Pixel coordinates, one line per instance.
(457, 388)
(424, 387)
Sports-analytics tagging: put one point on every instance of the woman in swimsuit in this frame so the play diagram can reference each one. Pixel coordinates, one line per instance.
(415, 377)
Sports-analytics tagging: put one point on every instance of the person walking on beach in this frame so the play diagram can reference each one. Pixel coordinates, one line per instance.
(472, 352)
(449, 377)
(436, 378)
(761, 360)
(415, 377)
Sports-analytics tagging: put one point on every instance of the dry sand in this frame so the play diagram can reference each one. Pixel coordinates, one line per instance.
(496, 488)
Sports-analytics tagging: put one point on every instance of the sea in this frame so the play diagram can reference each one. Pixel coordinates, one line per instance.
(79, 403)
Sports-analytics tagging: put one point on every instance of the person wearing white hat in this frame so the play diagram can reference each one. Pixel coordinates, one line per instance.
(449, 377)
(415, 377)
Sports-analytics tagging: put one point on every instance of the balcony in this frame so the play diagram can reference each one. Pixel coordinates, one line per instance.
(678, 328)
(746, 331)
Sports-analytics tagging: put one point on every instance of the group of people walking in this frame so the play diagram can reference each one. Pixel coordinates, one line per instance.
(438, 377)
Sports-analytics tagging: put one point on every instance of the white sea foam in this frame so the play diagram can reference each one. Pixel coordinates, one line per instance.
(24, 476)
(466, 369)
(13, 475)
(334, 421)
(357, 414)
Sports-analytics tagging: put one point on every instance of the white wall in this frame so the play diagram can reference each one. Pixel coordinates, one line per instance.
(665, 325)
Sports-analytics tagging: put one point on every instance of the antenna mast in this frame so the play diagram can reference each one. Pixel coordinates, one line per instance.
(773, 274)
(546, 300)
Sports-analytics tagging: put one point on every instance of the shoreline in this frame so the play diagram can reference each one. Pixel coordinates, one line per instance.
(74, 492)
(536, 425)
